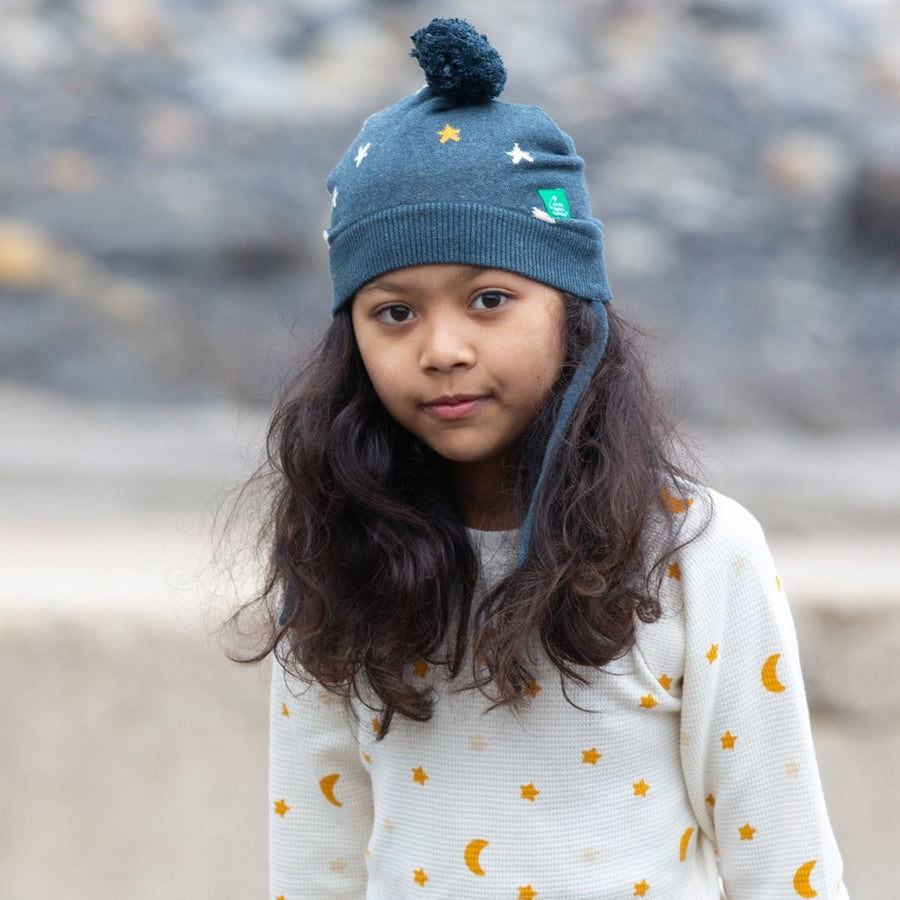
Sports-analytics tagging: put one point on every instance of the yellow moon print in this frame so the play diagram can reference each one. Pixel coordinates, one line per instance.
(769, 675)
(472, 854)
(801, 880)
(685, 840)
(327, 787)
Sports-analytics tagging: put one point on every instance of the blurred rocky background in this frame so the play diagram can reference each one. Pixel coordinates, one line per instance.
(162, 167)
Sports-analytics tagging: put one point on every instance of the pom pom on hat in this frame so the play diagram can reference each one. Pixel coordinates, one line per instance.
(459, 63)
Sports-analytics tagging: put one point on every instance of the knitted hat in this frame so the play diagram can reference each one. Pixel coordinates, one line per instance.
(452, 175)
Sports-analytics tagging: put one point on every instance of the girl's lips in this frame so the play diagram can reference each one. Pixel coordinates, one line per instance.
(455, 407)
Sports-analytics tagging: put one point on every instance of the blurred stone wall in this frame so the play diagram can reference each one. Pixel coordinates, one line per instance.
(162, 199)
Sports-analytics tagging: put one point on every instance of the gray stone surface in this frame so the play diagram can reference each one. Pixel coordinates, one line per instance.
(167, 159)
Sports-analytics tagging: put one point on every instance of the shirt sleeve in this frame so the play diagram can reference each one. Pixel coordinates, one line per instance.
(320, 798)
(747, 749)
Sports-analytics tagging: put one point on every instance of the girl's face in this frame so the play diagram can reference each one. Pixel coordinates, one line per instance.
(460, 356)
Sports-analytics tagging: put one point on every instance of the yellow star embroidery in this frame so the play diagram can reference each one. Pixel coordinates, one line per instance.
(648, 702)
(710, 800)
(449, 133)
(281, 807)
(420, 877)
(527, 892)
(641, 788)
(376, 725)
(421, 668)
(713, 653)
(589, 854)
(674, 571)
(476, 743)
(747, 832)
(285, 711)
(676, 505)
(728, 740)
(419, 775)
(529, 791)
(590, 756)
(366, 756)
(532, 688)
(641, 888)
(778, 582)
(792, 769)
(280, 897)
(665, 681)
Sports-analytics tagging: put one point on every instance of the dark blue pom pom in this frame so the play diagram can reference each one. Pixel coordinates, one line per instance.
(459, 62)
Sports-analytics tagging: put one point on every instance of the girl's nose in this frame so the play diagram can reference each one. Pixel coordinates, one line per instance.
(446, 346)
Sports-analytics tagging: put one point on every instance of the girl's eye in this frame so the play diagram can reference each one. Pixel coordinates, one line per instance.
(394, 315)
(490, 300)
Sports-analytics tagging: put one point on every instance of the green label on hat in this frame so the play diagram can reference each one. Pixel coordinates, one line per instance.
(557, 202)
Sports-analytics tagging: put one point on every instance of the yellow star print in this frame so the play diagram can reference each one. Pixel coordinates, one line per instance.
(421, 668)
(285, 711)
(641, 788)
(420, 877)
(529, 791)
(747, 831)
(728, 740)
(641, 888)
(674, 571)
(676, 505)
(713, 653)
(665, 681)
(532, 688)
(648, 702)
(527, 892)
(448, 133)
(376, 725)
(590, 756)
(281, 807)
(419, 775)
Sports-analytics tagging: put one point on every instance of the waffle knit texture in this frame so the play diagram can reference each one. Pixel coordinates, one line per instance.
(694, 761)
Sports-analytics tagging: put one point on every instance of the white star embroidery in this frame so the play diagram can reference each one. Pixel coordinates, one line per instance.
(325, 236)
(543, 216)
(517, 154)
(334, 194)
(362, 153)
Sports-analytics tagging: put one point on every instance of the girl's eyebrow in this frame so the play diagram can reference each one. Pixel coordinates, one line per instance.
(397, 287)
(379, 285)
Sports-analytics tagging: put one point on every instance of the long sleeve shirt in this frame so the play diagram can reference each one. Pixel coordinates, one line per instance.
(682, 769)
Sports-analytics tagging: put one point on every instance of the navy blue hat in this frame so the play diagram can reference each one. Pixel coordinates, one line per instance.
(452, 175)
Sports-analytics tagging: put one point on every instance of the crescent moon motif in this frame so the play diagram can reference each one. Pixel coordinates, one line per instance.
(472, 854)
(326, 785)
(685, 840)
(769, 676)
(801, 880)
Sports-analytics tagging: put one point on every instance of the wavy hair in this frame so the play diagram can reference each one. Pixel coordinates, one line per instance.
(370, 567)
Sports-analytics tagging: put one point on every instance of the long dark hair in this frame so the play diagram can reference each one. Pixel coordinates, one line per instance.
(370, 567)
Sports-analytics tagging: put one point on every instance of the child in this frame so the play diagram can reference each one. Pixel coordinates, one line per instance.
(520, 653)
